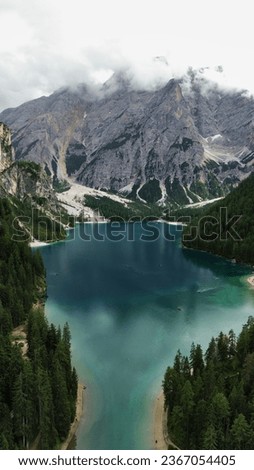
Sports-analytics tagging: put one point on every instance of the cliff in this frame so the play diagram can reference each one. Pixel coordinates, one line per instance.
(6, 149)
(182, 143)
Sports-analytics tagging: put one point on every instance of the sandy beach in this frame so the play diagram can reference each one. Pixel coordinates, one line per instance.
(161, 439)
(159, 422)
(79, 413)
(37, 243)
(250, 280)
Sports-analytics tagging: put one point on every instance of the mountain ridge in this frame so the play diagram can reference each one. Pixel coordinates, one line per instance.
(196, 142)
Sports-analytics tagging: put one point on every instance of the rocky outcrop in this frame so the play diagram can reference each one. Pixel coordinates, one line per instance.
(178, 143)
(23, 179)
(6, 150)
(26, 180)
(43, 128)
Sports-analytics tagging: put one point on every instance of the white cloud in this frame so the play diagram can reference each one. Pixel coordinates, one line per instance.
(46, 44)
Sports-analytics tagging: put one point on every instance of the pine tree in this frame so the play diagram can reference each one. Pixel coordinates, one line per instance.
(187, 405)
(62, 408)
(240, 433)
(46, 427)
(19, 414)
(210, 438)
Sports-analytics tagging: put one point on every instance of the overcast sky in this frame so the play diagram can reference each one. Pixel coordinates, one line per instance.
(46, 44)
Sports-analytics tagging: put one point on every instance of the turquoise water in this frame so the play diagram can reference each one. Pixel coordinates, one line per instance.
(130, 306)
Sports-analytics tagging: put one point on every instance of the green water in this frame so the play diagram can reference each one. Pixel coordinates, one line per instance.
(130, 306)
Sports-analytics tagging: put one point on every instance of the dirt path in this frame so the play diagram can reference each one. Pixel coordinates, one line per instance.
(79, 413)
(161, 439)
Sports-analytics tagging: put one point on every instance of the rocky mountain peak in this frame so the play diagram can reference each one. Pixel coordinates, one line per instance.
(119, 81)
(184, 142)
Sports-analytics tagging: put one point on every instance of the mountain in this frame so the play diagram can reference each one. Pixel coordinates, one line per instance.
(28, 191)
(185, 142)
(20, 178)
(43, 209)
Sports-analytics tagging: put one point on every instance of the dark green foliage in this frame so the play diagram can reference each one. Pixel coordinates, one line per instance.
(32, 168)
(184, 213)
(30, 220)
(200, 188)
(151, 191)
(49, 351)
(44, 228)
(21, 272)
(114, 210)
(37, 393)
(60, 186)
(176, 193)
(210, 398)
(212, 188)
(133, 193)
(209, 229)
(37, 396)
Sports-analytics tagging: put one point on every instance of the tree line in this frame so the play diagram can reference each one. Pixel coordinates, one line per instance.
(38, 390)
(114, 210)
(209, 397)
(225, 228)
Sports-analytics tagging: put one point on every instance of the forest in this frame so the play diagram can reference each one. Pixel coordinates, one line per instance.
(209, 397)
(38, 385)
(114, 210)
(225, 228)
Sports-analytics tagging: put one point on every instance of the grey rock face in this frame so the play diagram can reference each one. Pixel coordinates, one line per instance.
(6, 149)
(42, 128)
(22, 179)
(196, 141)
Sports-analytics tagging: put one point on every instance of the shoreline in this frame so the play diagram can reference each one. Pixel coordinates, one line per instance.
(159, 434)
(176, 223)
(161, 439)
(80, 391)
(250, 280)
(159, 421)
(77, 419)
(37, 244)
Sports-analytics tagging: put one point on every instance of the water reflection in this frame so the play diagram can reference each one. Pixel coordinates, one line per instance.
(130, 306)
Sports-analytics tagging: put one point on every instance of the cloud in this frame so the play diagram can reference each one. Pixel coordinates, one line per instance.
(47, 44)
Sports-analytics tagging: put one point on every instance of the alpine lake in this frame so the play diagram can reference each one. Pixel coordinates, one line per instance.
(132, 297)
